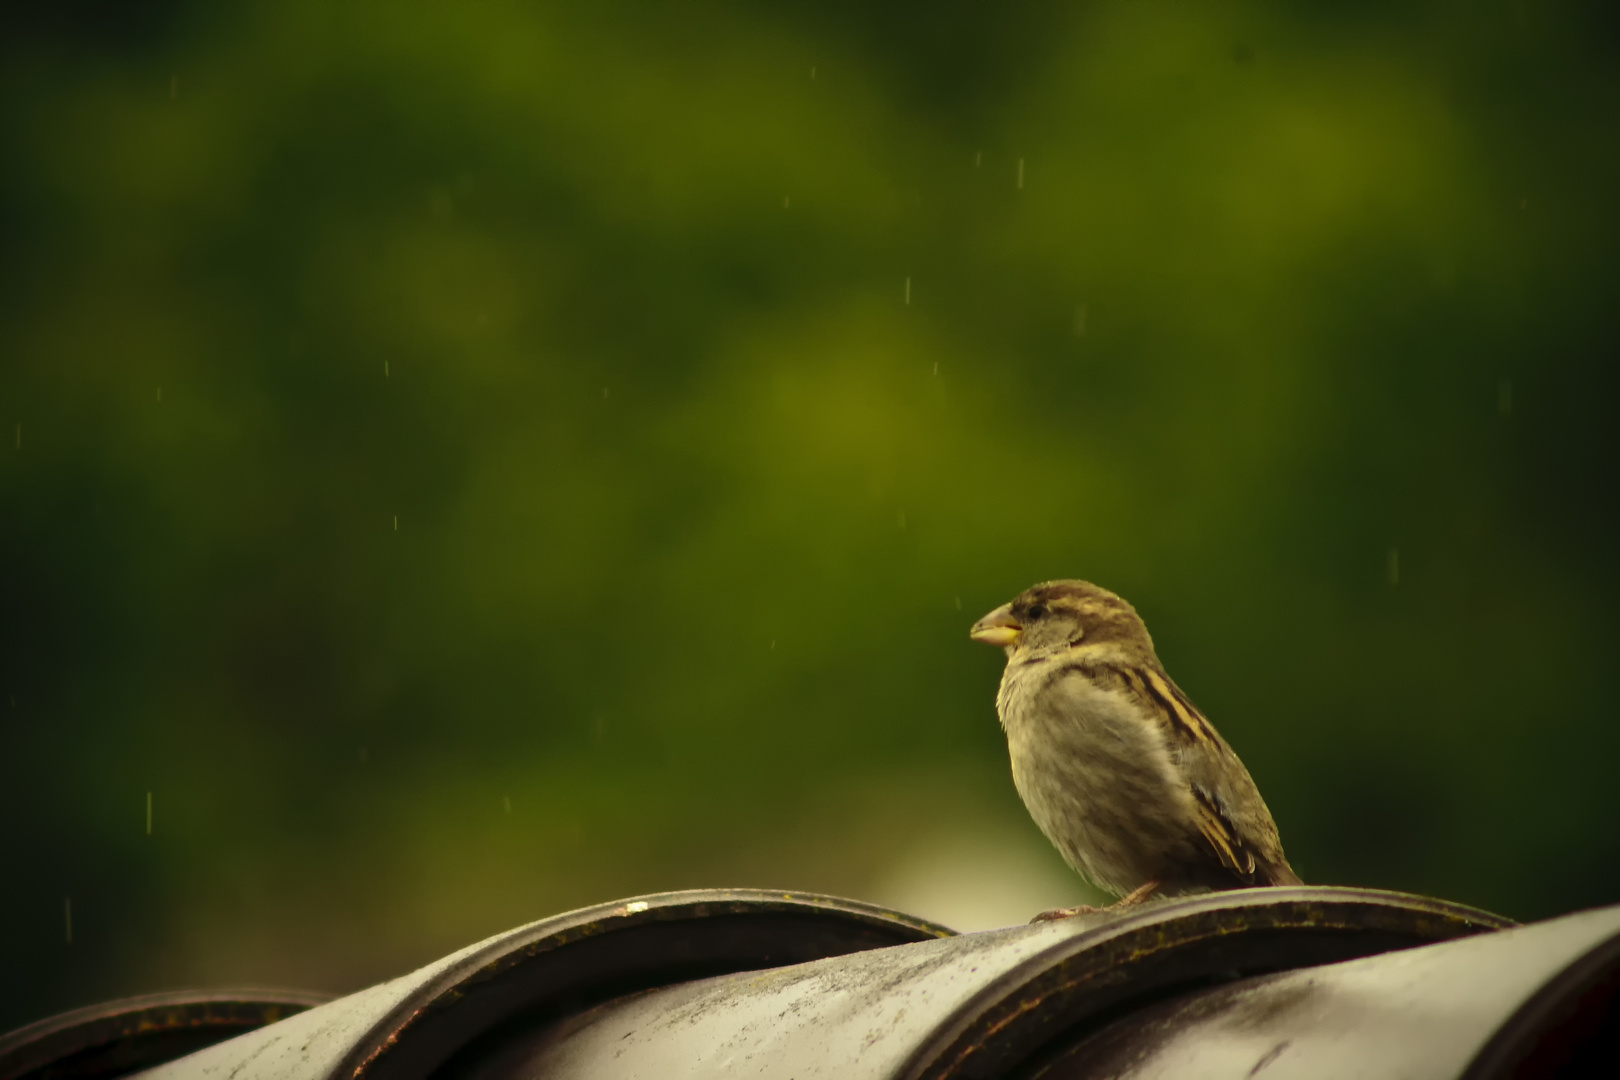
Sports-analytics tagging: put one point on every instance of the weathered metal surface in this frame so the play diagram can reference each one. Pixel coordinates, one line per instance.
(1420, 1014)
(979, 1005)
(1263, 983)
(406, 1028)
(856, 1016)
(136, 1033)
(1209, 939)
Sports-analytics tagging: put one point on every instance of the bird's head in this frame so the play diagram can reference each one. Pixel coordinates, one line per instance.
(1057, 615)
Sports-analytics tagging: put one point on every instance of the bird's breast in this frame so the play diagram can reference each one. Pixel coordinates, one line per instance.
(1094, 771)
(1062, 722)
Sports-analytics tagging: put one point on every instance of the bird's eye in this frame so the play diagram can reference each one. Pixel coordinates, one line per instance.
(1035, 611)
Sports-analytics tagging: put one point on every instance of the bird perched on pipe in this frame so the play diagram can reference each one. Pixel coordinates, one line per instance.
(1122, 773)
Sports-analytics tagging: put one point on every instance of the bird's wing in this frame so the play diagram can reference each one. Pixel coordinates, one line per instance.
(1223, 838)
(1230, 813)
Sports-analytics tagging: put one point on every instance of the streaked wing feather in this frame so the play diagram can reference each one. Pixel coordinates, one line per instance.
(1228, 846)
(1188, 729)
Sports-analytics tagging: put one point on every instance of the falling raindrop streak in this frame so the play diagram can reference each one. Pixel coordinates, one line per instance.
(1393, 566)
(1080, 321)
(908, 291)
(506, 802)
(958, 600)
(160, 395)
(396, 523)
(978, 159)
(385, 369)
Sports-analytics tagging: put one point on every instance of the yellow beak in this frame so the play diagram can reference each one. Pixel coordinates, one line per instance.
(997, 628)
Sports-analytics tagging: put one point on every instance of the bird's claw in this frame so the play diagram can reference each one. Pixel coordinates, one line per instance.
(1129, 900)
(1068, 913)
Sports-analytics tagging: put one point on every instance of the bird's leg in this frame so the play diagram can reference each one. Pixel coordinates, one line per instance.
(1068, 913)
(1135, 896)
(1129, 900)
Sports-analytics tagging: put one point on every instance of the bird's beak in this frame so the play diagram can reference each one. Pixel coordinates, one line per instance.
(997, 628)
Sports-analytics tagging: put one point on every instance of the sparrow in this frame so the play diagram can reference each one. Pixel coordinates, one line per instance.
(1133, 786)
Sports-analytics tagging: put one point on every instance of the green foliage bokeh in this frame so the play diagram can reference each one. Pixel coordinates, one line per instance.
(468, 460)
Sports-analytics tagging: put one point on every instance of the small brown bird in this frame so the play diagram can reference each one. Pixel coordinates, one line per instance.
(1120, 771)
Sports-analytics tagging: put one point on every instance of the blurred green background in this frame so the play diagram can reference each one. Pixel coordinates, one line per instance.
(470, 460)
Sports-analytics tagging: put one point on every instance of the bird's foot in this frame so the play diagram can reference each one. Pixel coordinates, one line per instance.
(1136, 895)
(1129, 900)
(1069, 913)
